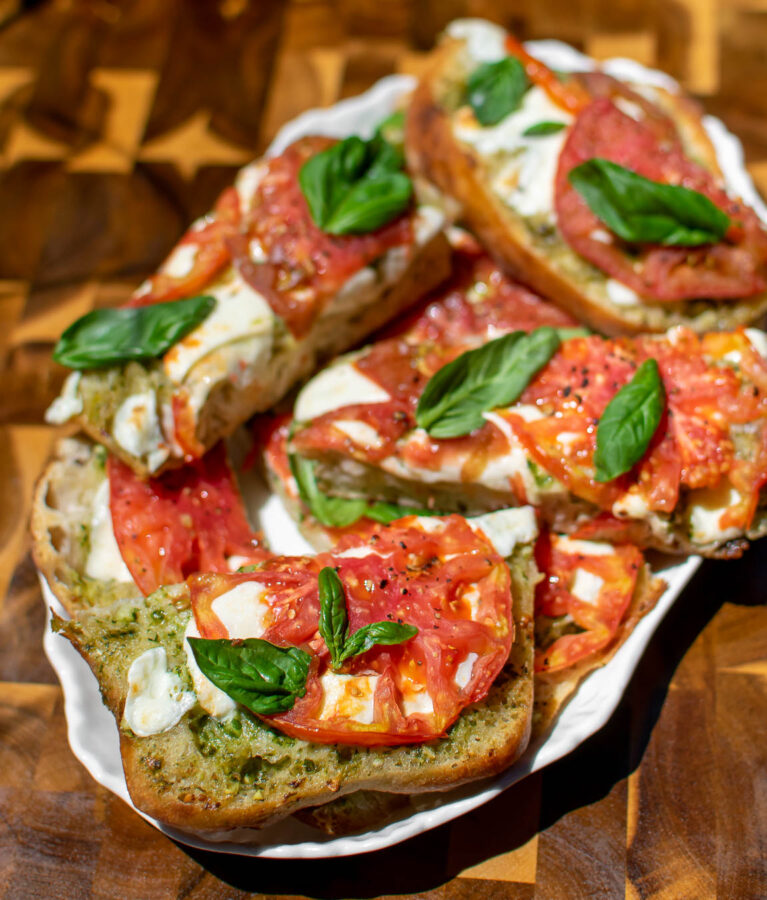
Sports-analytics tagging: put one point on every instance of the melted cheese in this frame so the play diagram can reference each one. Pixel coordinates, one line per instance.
(416, 702)
(181, 261)
(212, 699)
(104, 559)
(240, 313)
(485, 42)
(68, 404)
(582, 548)
(156, 700)
(247, 182)
(136, 429)
(361, 433)
(335, 387)
(243, 610)
(350, 696)
(464, 671)
(705, 514)
(472, 596)
(506, 528)
(621, 295)
(758, 340)
(525, 181)
(586, 586)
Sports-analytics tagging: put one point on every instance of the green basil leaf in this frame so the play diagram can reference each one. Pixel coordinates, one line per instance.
(629, 422)
(646, 212)
(109, 337)
(265, 678)
(338, 512)
(324, 179)
(371, 203)
(392, 131)
(540, 129)
(356, 186)
(496, 89)
(376, 634)
(478, 380)
(565, 334)
(333, 512)
(334, 621)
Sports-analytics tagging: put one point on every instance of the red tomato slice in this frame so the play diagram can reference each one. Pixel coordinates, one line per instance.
(568, 94)
(734, 268)
(211, 256)
(590, 583)
(189, 520)
(306, 266)
(445, 579)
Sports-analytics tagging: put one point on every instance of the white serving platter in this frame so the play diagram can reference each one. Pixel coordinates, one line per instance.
(92, 730)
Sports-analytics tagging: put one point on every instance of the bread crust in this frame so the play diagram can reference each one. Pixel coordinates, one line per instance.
(436, 154)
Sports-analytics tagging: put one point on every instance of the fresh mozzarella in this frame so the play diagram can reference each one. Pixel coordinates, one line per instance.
(68, 404)
(427, 221)
(181, 261)
(136, 429)
(335, 387)
(586, 586)
(526, 180)
(212, 699)
(233, 563)
(485, 42)
(620, 294)
(240, 313)
(526, 411)
(247, 182)
(582, 548)
(349, 696)
(243, 610)
(416, 703)
(361, 552)
(361, 433)
(506, 528)
(631, 505)
(758, 340)
(156, 700)
(707, 511)
(400, 469)
(472, 596)
(104, 560)
(464, 671)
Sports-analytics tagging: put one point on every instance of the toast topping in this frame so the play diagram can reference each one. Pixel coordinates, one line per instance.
(156, 699)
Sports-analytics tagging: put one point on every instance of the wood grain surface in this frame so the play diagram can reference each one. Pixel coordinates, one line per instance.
(119, 123)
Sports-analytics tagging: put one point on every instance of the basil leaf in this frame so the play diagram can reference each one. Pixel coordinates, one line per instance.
(375, 634)
(478, 380)
(333, 512)
(371, 203)
(496, 89)
(334, 621)
(629, 422)
(392, 130)
(540, 129)
(109, 337)
(338, 512)
(265, 678)
(646, 212)
(356, 186)
(565, 334)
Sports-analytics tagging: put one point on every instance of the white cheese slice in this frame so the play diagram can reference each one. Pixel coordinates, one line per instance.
(242, 611)
(212, 699)
(706, 513)
(586, 586)
(416, 703)
(758, 340)
(464, 670)
(582, 548)
(136, 428)
(68, 404)
(104, 560)
(361, 433)
(350, 696)
(620, 294)
(335, 387)
(240, 313)
(506, 528)
(485, 42)
(472, 596)
(247, 182)
(181, 260)
(156, 700)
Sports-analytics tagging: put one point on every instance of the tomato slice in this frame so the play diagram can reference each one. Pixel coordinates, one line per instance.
(189, 520)
(444, 578)
(206, 244)
(570, 95)
(582, 600)
(731, 269)
(304, 266)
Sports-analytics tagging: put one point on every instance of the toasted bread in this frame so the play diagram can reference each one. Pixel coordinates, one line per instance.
(534, 251)
(209, 774)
